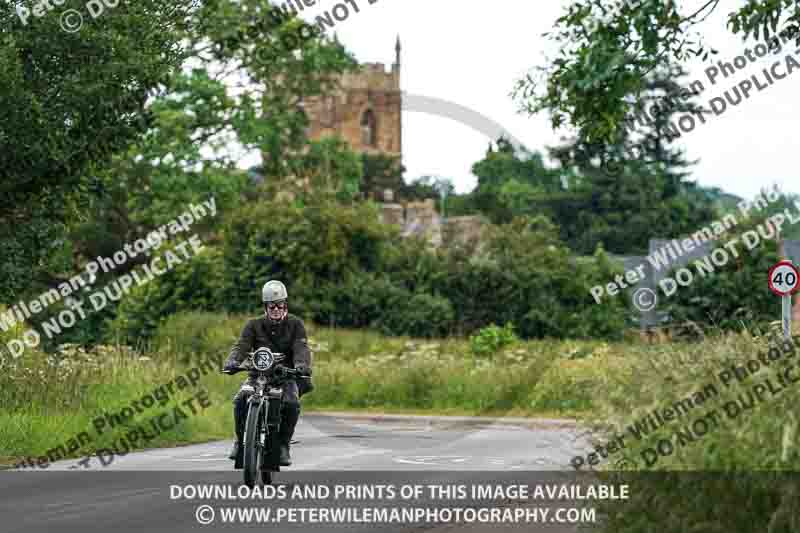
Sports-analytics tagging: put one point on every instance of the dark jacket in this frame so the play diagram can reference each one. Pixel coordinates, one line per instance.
(287, 337)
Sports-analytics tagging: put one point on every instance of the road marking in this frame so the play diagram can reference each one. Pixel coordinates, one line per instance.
(444, 460)
(206, 460)
(408, 461)
(59, 504)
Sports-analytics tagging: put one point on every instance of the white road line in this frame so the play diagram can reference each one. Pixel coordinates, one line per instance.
(206, 459)
(409, 461)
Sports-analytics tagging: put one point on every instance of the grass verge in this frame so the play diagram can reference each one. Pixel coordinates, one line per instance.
(50, 409)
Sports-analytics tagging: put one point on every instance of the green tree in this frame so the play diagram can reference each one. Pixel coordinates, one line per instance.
(736, 294)
(382, 172)
(436, 188)
(526, 276)
(304, 246)
(186, 124)
(634, 188)
(421, 188)
(511, 184)
(68, 102)
(606, 49)
(330, 168)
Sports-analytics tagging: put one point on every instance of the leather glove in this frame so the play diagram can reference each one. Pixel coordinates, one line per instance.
(231, 367)
(303, 369)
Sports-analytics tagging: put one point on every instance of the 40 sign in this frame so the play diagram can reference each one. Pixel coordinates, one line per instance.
(784, 278)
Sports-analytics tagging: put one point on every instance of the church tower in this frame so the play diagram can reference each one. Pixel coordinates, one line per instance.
(365, 111)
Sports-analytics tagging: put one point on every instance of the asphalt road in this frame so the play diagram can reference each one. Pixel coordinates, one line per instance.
(136, 492)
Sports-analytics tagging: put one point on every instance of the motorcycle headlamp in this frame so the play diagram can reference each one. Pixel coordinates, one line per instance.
(263, 359)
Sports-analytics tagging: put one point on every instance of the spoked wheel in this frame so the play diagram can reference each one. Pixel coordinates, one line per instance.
(252, 446)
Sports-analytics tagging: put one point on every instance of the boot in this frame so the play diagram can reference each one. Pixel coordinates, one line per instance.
(285, 458)
(291, 414)
(235, 450)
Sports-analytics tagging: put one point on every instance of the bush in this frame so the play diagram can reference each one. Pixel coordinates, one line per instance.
(195, 334)
(308, 248)
(196, 284)
(357, 301)
(735, 293)
(420, 315)
(492, 339)
(365, 300)
(527, 276)
(412, 265)
(343, 267)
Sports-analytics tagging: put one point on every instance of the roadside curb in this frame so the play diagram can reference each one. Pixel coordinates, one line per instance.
(450, 420)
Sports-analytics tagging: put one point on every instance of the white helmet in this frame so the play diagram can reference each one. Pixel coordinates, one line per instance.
(273, 291)
(274, 297)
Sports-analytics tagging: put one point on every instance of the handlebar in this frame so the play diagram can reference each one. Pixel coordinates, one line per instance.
(245, 365)
(278, 370)
(281, 370)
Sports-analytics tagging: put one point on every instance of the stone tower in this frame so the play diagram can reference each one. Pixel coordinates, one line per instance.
(365, 110)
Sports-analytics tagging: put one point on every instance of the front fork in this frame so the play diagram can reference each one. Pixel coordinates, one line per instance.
(271, 429)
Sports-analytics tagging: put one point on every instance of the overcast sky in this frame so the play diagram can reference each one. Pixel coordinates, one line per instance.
(471, 52)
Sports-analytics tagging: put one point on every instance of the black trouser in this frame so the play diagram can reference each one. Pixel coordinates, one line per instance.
(289, 416)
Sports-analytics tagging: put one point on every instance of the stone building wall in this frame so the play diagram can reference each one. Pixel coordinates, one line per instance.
(464, 230)
(366, 110)
(415, 219)
(420, 219)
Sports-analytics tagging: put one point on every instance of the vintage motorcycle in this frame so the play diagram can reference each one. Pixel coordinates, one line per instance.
(260, 447)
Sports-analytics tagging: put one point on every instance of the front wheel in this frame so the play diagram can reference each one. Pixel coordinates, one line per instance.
(252, 444)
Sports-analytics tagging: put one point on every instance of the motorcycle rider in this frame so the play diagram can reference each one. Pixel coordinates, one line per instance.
(280, 332)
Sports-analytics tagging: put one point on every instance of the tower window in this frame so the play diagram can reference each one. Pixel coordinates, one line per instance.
(369, 135)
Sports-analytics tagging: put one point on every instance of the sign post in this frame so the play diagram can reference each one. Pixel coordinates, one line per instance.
(784, 280)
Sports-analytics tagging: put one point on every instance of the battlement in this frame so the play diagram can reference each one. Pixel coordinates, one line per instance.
(376, 67)
(373, 76)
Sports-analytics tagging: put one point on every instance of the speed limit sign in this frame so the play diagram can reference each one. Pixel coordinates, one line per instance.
(784, 278)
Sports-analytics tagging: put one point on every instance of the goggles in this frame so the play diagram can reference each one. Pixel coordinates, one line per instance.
(272, 306)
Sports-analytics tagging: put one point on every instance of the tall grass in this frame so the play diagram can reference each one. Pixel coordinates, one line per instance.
(360, 369)
(758, 438)
(729, 476)
(47, 401)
